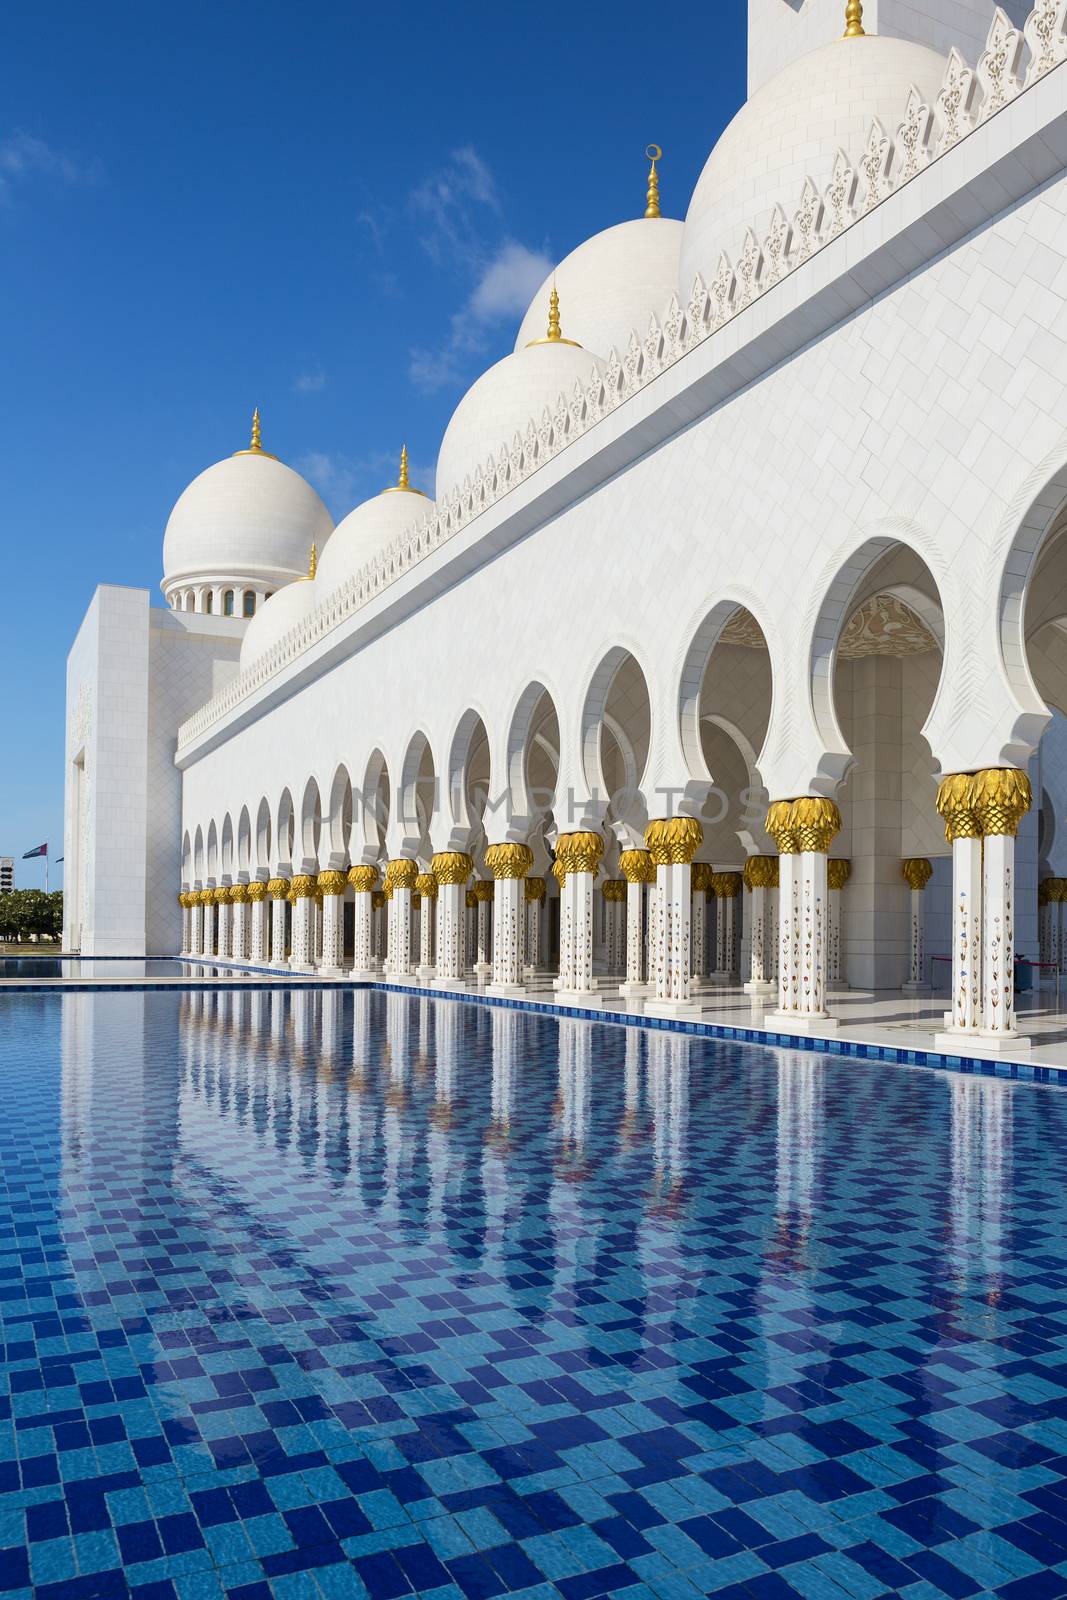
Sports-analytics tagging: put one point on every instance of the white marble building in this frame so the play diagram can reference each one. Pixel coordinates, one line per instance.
(742, 598)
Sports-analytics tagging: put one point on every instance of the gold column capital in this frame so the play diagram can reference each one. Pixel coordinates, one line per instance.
(779, 825)
(363, 878)
(377, 899)
(727, 885)
(838, 872)
(760, 872)
(470, 899)
(239, 894)
(509, 860)
(673, 841)
(451, 866)
(955, 803)
(702, 876)
(483, 890)
(302, 886)
(332, 883)
(534, 888)
(579, 852)
(637, 866)
(257, 890)
(613, 889)
(401, 873)
(426, 884)
(816, 821)
(917, 871)
(278, 888)
(1002, 797)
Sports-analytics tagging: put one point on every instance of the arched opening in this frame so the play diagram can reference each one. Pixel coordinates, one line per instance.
(616, 736)
(244, 841)
(877, 660)
(417, 796)
(187, 859)
(532, 777)
(212, 860)
(209, 601)
(340, 818)
(248, 605)
(371, 807)
(310, 826)
(227, 603)
(469, 778)
(198, 855)
(1044, 622)
(263, 836)
(285, 833)
(725, 706)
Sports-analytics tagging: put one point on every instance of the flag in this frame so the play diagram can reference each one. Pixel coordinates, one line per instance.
(41, 850)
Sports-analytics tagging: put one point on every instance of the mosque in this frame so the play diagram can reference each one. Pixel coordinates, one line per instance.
(729, 658)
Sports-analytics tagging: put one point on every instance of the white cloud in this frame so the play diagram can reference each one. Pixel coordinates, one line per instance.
(344, 481)
(446, 204)
(310, 382)
(505, 286)
(22, 156)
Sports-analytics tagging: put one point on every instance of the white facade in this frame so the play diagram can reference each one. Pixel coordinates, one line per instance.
(796, 539)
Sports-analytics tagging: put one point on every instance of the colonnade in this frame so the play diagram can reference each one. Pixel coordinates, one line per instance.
(444, 927)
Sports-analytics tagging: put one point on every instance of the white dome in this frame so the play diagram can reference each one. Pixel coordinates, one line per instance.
(503, 402)
(246, 517)
(359, 537)
(611, 284)
(791, 129)
(275, 617)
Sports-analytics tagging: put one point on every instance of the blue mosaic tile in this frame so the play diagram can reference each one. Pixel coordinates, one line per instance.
(362, 1292)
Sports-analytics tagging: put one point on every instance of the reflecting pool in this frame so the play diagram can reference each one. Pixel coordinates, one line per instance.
(313, 1292)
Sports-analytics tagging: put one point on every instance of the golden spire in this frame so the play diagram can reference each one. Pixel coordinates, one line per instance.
(653, 152)
(313, 562)
(854, 20)
(553, 336)
(256, 447)
(403, 484)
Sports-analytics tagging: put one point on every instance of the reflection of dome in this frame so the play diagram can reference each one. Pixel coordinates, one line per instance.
(612, 284)
(248, 517)
(791, 129)
(368, 529)
(277, 615)
(505, 400)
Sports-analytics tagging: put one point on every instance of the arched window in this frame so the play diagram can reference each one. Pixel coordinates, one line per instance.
(227, 603)
(250, 603)
(209, 601)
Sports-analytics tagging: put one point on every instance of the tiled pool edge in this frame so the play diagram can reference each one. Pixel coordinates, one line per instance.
(853, 1049)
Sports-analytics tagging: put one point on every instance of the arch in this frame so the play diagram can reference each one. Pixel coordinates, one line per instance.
(1034, 516)
(212, 853)
(198, 854)
(248, 603)
(468, 791)
(883, 563)
(285, 831)
(227, 603)
(617, 704)
(187, 859)
(263, 836)
(531, 782)
(244, 841)
(707, 634)
(226, 860)
(310, 826)
(416, 800)
(371, 806)
(340, 817)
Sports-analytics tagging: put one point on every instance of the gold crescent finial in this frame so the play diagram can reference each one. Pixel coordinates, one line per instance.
(654, 153)
(854, 20)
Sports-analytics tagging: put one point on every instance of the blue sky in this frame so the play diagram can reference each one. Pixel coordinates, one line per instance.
(336, 212)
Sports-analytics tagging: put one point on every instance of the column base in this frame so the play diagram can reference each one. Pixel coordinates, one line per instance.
(813, 1022)
(398, 977)
(760, 986)
(579, 997)
(482, 970)
(955, 1041)
(636, 990)
(915, 988)
(299, 966)
(673, 1008)
(330, 972)
(424, 974)
(449, 983)
(594, 984)
(509, 991)
(360, 977)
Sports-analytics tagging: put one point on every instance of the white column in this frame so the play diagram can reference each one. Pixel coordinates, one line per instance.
(534, 892)
(483, 961)
(379, 921)
(196, 932)
(955, 802)
(426, 884)
(917, 872)
(362, 880)
(1001, 799)
(1045, 909)
(672, 843)
(507, 951)
(803, 829)
(1061, 943)
(331, 961)
(209, 929)
(224, 923)
(699, 938)
(1056, 928)
(634, 983)
(278, 889)
(186, 924)
(578, 856)
(721, 940)
(451, 869)
(303, 929)
(760, 873)
(257, 916)
(402, 874)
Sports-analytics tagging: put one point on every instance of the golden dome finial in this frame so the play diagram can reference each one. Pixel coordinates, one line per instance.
(654, 153)
(402, 482)
(313, 563)
(854, 28)
(553, 336)
(256, 446)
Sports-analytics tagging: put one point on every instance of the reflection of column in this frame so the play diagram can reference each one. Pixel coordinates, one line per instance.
(672, 843)
(400, 876)
(534, 892)
(362, 880)
(483, 894)
(506, 1024)
(302, 888)
(838, 872)
(257, 917)
(451, 869)
(632, 1086)
(509, 863)
(668, 1098)
(979, 1197)
(333, 886)
(638, 870)
(278, 889)
(575, 1088)
(803, 830)
(800, 1124)
(578, 858)
(426, 889)
(760, 876)
(917, 872)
